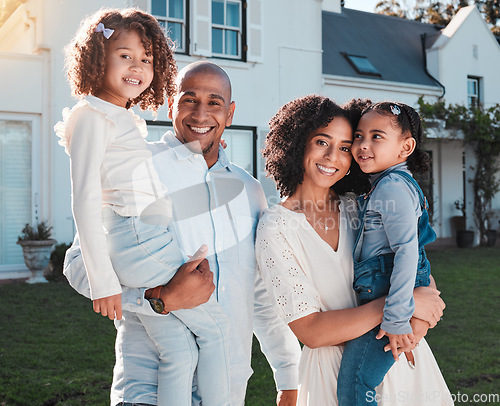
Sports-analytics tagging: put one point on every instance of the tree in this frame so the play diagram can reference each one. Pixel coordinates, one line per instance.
(481, 130)
(439, 13)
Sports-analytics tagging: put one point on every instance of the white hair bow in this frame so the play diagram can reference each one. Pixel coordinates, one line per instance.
(107, 32)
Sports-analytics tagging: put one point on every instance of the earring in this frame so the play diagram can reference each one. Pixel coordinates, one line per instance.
(348, 172)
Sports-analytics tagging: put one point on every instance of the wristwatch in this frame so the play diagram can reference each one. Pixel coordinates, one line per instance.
(156, 303)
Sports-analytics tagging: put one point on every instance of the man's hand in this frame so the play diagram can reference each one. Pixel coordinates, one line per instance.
(110, 306)
(191, 286)
(287, 397)
(398, 342)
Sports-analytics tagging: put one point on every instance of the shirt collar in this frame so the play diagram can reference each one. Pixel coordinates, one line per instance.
(183, 152)
(401, 167)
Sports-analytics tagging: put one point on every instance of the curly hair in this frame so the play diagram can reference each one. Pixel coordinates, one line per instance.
(407, 120)
(285, 144)
(86, 55)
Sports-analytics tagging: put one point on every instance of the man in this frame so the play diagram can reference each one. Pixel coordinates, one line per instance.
(214, 203)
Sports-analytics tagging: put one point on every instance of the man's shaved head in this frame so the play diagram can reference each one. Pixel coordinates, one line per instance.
(203, 67)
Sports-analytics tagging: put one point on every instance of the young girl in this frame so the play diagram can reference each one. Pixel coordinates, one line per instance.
(120, 58)
(389, 255)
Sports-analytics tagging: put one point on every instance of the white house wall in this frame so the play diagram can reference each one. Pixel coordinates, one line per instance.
(457, 60)
(33, 81)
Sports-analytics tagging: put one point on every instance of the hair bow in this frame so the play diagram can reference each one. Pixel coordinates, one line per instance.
(107, 32)
(395, 110)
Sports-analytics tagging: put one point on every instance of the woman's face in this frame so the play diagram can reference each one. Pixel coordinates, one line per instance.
(327, 156)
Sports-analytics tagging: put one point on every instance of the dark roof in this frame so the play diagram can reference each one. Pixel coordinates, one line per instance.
(393, 45)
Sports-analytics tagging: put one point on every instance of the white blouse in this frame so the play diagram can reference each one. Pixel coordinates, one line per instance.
(110, 167)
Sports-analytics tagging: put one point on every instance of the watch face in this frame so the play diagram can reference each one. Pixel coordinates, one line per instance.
(157, 305)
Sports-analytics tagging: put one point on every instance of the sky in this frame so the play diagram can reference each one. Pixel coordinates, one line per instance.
(364, 5)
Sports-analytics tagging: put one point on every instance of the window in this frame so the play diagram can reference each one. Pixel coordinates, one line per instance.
(172, 16)
(227, 28)
(16, 185)
(361, 64)
(473, 92)
(241, 143)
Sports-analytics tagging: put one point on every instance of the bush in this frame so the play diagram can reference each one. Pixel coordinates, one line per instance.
(56, 263)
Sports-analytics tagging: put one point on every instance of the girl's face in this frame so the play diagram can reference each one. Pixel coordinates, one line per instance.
(129, 71)
(378, 144)
(327, 155)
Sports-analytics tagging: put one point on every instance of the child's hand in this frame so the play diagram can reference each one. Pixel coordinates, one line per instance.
(110, 306)
(398, 342)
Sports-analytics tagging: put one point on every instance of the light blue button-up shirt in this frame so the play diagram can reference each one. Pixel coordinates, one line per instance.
(220, 206)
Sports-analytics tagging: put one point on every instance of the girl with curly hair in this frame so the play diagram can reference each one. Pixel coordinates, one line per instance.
(389, 254)
(120, 58)
(304, 251)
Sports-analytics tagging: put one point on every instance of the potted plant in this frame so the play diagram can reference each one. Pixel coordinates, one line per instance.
(37, 246)
(464, 237)
(491, 233)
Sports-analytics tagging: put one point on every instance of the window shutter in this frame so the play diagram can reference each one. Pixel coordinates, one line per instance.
(255, 41)
(142, 4)
(202, 28)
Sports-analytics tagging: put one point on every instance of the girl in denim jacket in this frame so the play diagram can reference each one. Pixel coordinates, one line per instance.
(389, 255)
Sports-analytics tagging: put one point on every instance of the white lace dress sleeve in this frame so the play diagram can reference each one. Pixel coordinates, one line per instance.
(282, 270)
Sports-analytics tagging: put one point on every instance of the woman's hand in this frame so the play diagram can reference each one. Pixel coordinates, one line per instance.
(428, 305)
(110, 306)
(420, 328)
(287, 397)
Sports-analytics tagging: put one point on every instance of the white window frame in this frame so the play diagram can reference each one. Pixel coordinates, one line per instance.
(225, 28)
(147, 6)
(473, 99)
(18, 270)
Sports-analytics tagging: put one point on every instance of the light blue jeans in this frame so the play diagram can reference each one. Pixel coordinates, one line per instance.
(146, 255)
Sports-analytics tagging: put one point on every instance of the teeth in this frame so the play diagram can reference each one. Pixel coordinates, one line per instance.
(325, 169)
(132, 81)
(200, 130)
(364, 158)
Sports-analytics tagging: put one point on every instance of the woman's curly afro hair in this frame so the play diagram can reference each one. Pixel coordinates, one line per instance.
(286, 141)
(86, 54)
(408, 121)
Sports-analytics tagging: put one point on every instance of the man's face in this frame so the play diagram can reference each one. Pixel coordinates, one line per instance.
(201, 110)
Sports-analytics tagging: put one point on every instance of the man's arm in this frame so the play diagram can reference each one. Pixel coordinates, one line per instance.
(188, 288)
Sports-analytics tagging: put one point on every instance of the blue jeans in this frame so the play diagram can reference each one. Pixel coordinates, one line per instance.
(145, 255)
(363, 367)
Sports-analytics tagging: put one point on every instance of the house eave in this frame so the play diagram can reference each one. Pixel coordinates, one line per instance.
(377, 84)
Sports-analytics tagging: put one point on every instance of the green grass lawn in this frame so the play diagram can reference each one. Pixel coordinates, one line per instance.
(54, 350)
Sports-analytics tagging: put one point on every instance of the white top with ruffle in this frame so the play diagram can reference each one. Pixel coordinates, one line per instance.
(110, 167)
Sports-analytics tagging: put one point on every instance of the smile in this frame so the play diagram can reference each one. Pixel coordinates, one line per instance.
(132, 81)
(200, 130)
(329, 171)
(364, 157)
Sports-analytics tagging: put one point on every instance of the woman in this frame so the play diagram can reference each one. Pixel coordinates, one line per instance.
(304, 250)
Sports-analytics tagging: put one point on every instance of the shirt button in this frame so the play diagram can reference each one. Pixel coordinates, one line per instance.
(223, 288)
(138, 300)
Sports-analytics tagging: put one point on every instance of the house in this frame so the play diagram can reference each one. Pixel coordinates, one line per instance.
(273, 51)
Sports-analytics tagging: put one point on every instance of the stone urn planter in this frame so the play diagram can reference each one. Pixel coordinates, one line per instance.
(36, 257)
